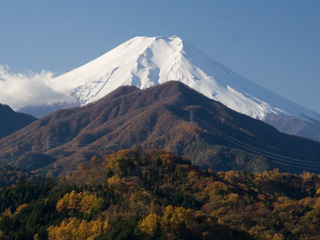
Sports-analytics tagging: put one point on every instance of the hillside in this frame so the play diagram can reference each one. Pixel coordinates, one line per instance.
(134, 194)
(11, 121)
(10, 176)
(159, 117)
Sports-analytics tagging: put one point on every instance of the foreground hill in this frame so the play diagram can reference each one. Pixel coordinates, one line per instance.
(158, 117)
(10, 176)
(135, 195)
(10, 121)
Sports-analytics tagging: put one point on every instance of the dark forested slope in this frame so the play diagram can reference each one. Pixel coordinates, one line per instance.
(11, 121)
(169, 116)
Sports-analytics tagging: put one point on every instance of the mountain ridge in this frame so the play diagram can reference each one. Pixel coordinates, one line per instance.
(12, 121)
(156, 117)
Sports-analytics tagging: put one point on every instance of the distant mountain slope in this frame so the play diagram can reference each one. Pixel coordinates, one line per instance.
(170, 116)
(295, 126)
(11, 121)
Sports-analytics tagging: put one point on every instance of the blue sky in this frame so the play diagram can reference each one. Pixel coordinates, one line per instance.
(273, 43)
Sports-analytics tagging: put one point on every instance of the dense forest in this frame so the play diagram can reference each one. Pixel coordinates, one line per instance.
(153, 194)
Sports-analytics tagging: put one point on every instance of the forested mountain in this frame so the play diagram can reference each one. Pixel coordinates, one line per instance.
(169, 116)
(152, 194)
(11, 121)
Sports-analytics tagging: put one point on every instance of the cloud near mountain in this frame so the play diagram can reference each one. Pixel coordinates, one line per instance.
(23, 89)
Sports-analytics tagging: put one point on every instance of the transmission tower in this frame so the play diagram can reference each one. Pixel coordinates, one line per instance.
(48, 144)
(191, 118)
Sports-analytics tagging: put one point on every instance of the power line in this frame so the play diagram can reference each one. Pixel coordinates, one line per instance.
(280, 159)
(194, 119)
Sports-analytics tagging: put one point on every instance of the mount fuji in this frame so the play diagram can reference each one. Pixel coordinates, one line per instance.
(147, 61)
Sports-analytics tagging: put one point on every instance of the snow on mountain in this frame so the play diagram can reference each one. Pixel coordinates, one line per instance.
(147, 61)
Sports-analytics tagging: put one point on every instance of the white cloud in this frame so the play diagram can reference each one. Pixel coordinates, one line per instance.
(19, 90)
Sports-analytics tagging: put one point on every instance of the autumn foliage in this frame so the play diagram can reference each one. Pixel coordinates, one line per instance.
(153, 194)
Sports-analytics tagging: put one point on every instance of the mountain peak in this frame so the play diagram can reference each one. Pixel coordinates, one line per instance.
(174, 37)
(140, 61)
(147, 61)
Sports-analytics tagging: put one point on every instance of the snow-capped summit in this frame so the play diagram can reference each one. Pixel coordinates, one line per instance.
(147, 61)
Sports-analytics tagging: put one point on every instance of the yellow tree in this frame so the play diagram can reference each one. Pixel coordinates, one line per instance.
(150, 224)
(82, 202)
(74, 229)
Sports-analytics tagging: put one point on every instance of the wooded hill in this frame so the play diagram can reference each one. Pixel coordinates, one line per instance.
(134, 194)
(169, 116)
